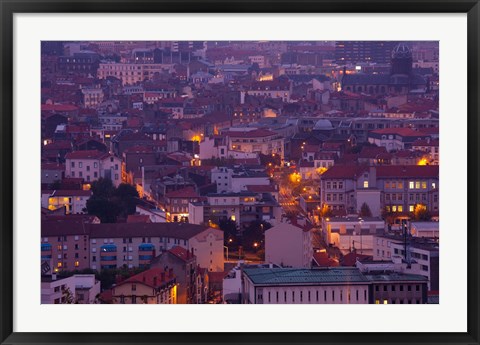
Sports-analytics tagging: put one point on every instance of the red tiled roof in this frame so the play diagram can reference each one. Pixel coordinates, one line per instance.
(181, 253)
(138, 218)
(323, 260)
(425, 143)
(404, 132)
(151, 277)
(138, 149)
(59, 107)
(71, 192)
(344, 171)
(350, 259)
(187, 192)
(88, 154)
(261, 188)
(256, 133)
(52, 166)
(407, 171)
(58, 145)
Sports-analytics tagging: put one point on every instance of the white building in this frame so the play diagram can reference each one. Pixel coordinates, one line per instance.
(92, 165)
(74, 201)
(339, 285)
(156, 215)
(349, 233)
(82, 288)
(289, 245)
(255, 140)
(131, 73)
(237, 179)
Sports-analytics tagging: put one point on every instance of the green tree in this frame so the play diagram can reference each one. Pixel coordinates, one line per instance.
(365, 210)
(108, 202)
(254, 234)
(421, 213)
(230, 230)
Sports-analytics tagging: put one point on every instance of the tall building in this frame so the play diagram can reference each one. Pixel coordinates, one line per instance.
(363, 51)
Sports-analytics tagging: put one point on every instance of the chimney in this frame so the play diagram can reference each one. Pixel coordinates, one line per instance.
(54, 276)
(162, 276)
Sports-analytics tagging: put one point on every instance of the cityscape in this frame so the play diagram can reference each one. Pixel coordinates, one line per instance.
(240, 172)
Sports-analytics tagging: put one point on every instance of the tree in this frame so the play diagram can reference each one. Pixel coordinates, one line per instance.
(108, 202)
(365, 210)
(254, 235)
(68, 297)
(420, 212)
(230, 230)
(326, 212)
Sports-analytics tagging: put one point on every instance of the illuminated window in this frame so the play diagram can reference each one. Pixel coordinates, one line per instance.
(365, 184)
(417, 184)
(411, 208)
(394, 208)
(400, 185)
(424, 185)
(377, 301)
(411, 185)
(400, 208)
(433, 185)
(59, 265)
(385, 301)
(77, 264)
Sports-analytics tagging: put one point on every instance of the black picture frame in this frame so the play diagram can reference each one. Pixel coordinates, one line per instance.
(9, 7)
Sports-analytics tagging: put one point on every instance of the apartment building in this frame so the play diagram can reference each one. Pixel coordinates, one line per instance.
(92, 165)
(383, 188)
(254, 140)
(289, 245)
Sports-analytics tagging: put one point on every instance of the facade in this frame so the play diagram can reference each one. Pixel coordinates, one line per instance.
(74, 201)
(242, 207)
(422, 256)
(430, 147)
(153, 286)
(52, 172)
(237, 179)
(256, 141)
(176, 204)
(333, 285)
(395, 139)
(339, 285)
(184, 266)
(130, 73)
(289, 245)
(77, 244)
(352, 233)
(80, 288)
(135, 245)
(92, 165)
(392, 189)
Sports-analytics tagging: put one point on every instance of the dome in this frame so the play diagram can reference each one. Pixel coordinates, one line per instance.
(401, 51)
(323, 125)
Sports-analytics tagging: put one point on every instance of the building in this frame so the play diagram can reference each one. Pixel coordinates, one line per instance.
(400, 81)
(430, 147)
(339, 285)
(74, 201)
(92, 165)
(390, 189)
(422, 255)
(243, 208)
(397, 288)
(131, 73)
(289, 245)
(352, 233)
(255, 140)
(269, 89)
(184, 266)
(396, 139)
(52, 172)
(332, 285)
(153, 286)
(136, 244)
(354, 52)
(237, 179)
(76, 289)
(176, 204)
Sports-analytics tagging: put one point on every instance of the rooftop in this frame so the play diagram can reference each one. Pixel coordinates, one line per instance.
(296, 276)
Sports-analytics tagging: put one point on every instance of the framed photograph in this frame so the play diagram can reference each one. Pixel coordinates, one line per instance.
(239, 172)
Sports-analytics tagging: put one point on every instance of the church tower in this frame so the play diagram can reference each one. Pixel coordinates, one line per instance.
(401, 60)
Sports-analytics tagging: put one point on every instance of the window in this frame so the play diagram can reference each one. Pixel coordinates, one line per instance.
(95, 164)
(417, 287)
(401, 287)
(80, 164)
(365, 184)
(411, 184)
(411, 208)
(134, 287)
(293, 296)
(417, 184)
